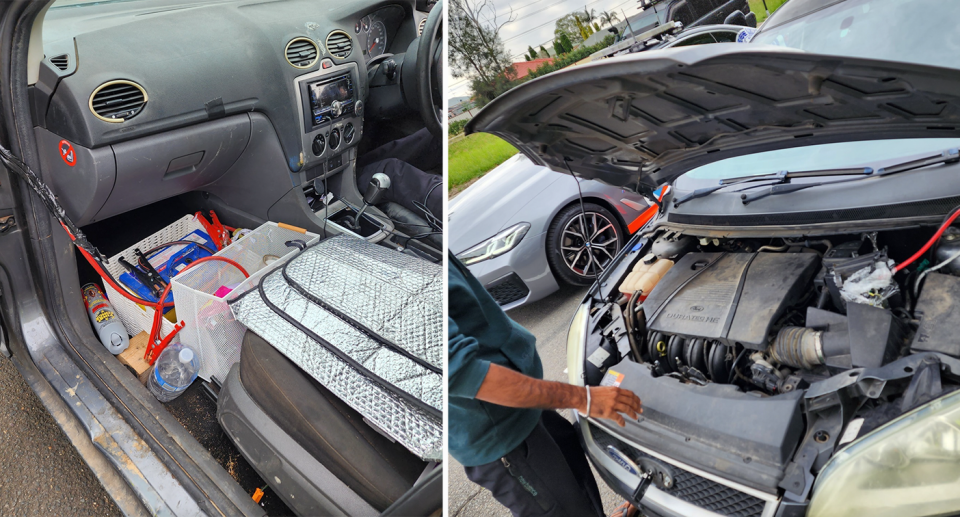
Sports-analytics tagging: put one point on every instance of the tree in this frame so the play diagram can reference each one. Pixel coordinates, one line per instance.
(608, 18)
(532, 53)
(484, 92)
(566, 43)
(588, 17)
(596, 27)
(568, 25)
(474, 38)
(558, 47)
(543, 52)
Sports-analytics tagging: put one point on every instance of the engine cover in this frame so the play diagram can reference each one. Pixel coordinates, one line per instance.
(730, 297)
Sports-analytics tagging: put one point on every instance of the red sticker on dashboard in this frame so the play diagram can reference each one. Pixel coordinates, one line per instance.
(67, 153)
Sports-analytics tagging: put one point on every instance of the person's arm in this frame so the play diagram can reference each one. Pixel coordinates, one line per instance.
(505, 387)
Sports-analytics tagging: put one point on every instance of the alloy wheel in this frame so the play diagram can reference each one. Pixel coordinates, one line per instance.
(588, 243)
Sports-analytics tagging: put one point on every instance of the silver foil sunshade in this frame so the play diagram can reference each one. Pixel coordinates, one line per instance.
(367, 323)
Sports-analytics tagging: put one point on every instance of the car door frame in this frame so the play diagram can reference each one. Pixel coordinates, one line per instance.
(147, 462)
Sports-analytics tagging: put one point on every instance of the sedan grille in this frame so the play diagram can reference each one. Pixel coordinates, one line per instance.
(689, 487)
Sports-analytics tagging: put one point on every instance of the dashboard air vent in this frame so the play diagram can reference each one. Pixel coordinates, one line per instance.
(302, 52)
(423, 23)
(339, 44)
(59, 61)
(116, 101)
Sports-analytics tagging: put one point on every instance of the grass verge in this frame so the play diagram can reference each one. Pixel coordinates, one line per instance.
(757, 7)
(474, 156)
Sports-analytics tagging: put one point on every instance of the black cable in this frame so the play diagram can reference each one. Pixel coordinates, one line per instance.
(174, 243)
(583, 215)
(326, 204)
(416, 237)
(733, 367)
(432, 219)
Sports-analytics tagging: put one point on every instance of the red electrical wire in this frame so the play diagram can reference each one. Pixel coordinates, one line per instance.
(943, 227)
(158, 313)
(157, 306)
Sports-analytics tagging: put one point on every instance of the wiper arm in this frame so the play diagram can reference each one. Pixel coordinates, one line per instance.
(948, 156)
(777, 178)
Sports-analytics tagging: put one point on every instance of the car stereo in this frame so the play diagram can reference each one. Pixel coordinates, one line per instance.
(329, 99)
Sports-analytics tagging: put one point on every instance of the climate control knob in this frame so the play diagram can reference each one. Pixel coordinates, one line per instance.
(319, 144)
(334, 139)
(348, 133)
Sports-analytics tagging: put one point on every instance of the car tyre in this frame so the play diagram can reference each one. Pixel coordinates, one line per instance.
(571, 259)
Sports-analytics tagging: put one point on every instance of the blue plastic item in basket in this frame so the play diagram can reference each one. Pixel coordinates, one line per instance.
(168, 262)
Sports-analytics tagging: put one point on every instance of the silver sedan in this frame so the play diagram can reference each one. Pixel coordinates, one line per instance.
(520, 230)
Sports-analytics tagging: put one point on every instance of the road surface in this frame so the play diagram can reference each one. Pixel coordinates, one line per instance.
(42, 472)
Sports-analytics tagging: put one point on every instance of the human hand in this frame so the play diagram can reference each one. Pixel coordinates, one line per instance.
(609, 402)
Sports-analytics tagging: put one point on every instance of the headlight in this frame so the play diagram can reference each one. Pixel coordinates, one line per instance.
(496, 245)
(908, 468)
(576, 336)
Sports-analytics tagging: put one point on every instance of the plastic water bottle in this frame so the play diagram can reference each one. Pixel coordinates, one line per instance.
(173, 372)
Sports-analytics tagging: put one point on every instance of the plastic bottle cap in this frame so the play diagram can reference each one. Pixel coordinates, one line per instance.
(186, 355)
(116, 339)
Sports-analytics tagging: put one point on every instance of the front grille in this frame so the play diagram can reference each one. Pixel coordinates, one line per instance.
(508, 289)
(689, 487)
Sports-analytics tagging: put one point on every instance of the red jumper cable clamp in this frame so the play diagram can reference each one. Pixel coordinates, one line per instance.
(153, 349)
(218, 234)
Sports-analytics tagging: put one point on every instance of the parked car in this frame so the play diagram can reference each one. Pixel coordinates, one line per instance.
(524, 272)
(122, 118)
(786, 319)
(519, 230)
(658, 39)
(661, 20)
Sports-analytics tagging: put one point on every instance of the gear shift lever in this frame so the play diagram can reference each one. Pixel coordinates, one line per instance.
(376, 189)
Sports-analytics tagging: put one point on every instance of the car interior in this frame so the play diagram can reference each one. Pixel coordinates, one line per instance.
(146, 111)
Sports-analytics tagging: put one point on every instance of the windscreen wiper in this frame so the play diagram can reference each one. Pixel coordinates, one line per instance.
(948, 156)
(777, 178)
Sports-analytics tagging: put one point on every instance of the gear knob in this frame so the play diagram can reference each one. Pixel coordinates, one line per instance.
(378, 186)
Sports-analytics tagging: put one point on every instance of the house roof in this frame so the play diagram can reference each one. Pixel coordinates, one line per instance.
(525, 67)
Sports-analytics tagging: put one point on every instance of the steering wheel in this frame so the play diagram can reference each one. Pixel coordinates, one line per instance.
(430, 71)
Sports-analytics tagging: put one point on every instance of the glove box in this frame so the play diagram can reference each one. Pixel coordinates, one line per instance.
(94, 184)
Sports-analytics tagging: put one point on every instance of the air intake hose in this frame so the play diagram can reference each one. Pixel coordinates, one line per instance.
(807, 348)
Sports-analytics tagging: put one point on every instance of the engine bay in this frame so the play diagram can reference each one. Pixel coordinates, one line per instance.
(758, 358)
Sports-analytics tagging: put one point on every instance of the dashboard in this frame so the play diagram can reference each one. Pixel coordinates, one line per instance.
(198, 60)
(375, 31)
(193, 84)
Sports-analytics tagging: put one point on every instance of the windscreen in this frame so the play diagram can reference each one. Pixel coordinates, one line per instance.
(912, 31)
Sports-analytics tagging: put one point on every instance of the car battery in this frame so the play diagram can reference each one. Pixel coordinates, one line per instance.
(168, 262)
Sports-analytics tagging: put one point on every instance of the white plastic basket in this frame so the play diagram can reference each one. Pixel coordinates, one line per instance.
(209, 326)
(135, 317)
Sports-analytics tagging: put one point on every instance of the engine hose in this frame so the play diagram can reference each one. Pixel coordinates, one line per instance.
(936, 237)
(799, 347)
(636, 327)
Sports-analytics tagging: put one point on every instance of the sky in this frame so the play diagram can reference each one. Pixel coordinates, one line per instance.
(534, 24)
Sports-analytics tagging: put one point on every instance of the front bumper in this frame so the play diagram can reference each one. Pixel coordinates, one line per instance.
(520, 276)
(692, 493)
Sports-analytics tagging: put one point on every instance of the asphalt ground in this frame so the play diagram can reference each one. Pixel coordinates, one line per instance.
(42, 474)
(548, 320)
